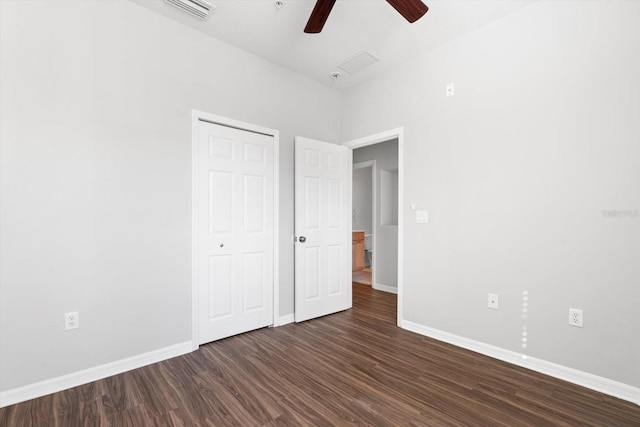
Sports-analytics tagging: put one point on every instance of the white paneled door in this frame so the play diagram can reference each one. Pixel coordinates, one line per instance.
(322, 228)
(235, 232)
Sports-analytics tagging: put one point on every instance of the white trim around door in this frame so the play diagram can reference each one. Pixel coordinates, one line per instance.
(375, 139)
(198, 116)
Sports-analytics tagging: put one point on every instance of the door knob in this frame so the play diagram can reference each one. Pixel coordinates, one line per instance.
(302, 239)
(222, 245)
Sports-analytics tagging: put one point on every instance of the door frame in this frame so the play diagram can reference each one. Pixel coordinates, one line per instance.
(374, 204)
(197, 116)
(376, 139)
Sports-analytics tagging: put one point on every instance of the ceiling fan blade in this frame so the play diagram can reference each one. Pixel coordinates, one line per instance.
(319, 16)
(412, 10)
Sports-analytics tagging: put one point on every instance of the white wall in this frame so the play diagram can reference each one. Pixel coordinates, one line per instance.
(516, 169)
(362, 192)
(385, 253)
(95, 120)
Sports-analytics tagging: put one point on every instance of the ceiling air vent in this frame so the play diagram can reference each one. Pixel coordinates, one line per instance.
(358, 63)
(198, 8)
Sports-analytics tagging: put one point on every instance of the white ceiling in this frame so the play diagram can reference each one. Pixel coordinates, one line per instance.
(354, 26)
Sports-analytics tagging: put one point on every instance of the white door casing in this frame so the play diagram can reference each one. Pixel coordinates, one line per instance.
(235, 239)
(323, 174)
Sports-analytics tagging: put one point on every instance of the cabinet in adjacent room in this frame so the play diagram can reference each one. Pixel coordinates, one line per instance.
(357, 248)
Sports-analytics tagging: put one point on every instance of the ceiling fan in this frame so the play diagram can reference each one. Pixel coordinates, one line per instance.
(412, 10)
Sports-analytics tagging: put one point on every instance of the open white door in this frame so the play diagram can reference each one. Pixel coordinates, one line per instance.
(322, 228)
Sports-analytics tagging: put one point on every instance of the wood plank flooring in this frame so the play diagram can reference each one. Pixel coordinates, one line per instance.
(362, 277)
(351, 368)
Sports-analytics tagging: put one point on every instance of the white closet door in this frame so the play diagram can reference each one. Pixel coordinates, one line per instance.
(235, 231)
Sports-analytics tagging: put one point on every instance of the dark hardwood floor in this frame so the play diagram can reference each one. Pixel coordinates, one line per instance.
(351, 368)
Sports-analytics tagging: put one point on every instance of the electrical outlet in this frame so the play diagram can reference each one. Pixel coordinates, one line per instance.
(575, 317)
(493, 301)
(71, 320)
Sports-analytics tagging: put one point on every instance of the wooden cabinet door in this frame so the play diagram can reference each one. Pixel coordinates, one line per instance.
(357, 247)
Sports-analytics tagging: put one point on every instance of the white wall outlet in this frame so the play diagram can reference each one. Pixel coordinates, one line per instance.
(71, 320)
(575, 317)
(422, 217)
(493, 301)
(450, 90)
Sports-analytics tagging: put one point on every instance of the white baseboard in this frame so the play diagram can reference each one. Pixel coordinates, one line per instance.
(75, 379)
(585, 379)
(286, 319)
(385, 288)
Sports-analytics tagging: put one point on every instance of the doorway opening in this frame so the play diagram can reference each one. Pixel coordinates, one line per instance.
(363, 220)
(378, 160)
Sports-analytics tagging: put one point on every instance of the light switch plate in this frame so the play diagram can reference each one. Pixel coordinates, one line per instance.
(493, 301)
(450, 90)
(422, 217)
